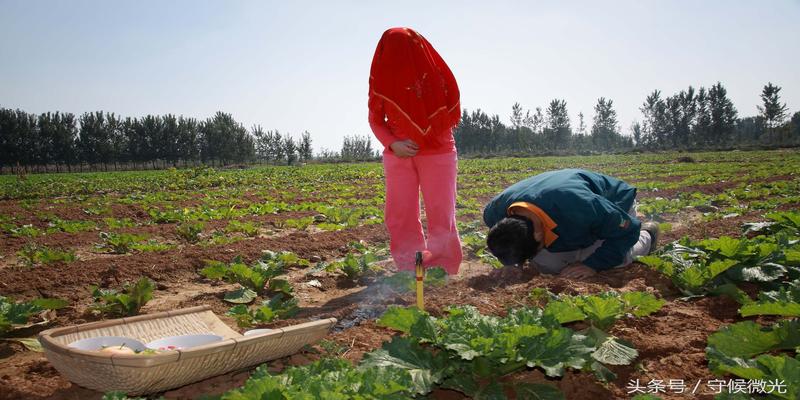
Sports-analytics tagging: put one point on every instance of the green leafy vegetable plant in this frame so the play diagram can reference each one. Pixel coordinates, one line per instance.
(14, 314)
(750, 351)
(119, 243)
(126, 303)
(33, 254)
(247, 228)
(329, 379)
(279, 306)
(190, 230)
(60, 225)
(602, 310)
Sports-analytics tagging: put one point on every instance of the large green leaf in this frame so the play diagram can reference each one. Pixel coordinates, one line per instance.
(280, 286)
(554, 351)
(641, 304)
(426, 368)
(240, 296)
(720, 266)
(722, 364)
(786, 309)
(782, 369)
(602, 310)
(50, 304)
(764, 272)
(214, 269)
(657, 263)
(726, 246)
(564, 311)
(784, 301)
(401, 318)
(744, 339)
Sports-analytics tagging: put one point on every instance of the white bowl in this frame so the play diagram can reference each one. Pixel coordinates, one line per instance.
(183, 341)
(101, 342)
(253, 332)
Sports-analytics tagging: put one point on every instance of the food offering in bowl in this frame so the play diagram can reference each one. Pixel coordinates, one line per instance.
(182, 342)
(111, 345)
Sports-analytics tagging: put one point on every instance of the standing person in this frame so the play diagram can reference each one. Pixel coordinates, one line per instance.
(570, 222)
(413, 108)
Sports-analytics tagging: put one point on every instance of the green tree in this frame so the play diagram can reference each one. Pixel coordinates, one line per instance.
(654, 123)
(137, 140)
(304, 149)
(94, 143)
(262, 140)
(536, 121)
(723, 115)
(153, 130)
(225, 140)
(558, 129)
(636, 133)
(276, 148)
(749, 129)
(581, 131)
(773, 111)
(516, 116)
(118, 140)
(795, 127)
(702, 126)
(19, 138)
(290, 149)
(684, 119)
(187, 143)
(605, 127)
(168, 140)
(357, 148)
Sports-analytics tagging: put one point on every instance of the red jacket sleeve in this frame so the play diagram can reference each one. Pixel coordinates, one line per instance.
(377, 121)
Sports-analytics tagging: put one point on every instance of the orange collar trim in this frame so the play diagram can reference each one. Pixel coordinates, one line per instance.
(549, 224)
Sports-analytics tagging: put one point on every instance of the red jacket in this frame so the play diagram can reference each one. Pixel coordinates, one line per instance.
(412, 93)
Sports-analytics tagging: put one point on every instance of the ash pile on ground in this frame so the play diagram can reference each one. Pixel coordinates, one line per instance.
(360, 315)
(371, 302)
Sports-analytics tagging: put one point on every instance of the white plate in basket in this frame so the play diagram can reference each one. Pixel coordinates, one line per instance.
(100, 342)
(183, 342)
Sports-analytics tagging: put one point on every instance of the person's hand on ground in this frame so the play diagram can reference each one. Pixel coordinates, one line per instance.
(404, 148)
(577, 271)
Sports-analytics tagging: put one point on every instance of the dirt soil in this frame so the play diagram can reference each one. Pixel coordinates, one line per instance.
(671, 342)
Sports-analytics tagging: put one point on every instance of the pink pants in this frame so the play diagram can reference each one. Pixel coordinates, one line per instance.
(436, 176)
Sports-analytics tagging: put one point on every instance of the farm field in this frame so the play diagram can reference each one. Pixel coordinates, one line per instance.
(315, 238)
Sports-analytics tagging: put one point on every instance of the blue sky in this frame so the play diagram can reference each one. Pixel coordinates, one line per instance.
(303, 65)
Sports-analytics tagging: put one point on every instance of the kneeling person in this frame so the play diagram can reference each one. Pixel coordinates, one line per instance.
(570, 222)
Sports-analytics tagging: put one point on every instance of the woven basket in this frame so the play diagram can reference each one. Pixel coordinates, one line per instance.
(146, 374)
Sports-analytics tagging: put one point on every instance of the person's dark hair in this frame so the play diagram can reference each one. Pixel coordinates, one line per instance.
(511, 240)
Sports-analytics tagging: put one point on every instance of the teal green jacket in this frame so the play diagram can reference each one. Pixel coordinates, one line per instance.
(583, 207)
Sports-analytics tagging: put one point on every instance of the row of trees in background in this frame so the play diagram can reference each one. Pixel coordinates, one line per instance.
(102, 140)
(688, 120)
(107, 140)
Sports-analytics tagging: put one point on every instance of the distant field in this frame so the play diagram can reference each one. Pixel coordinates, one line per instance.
(61, 233)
